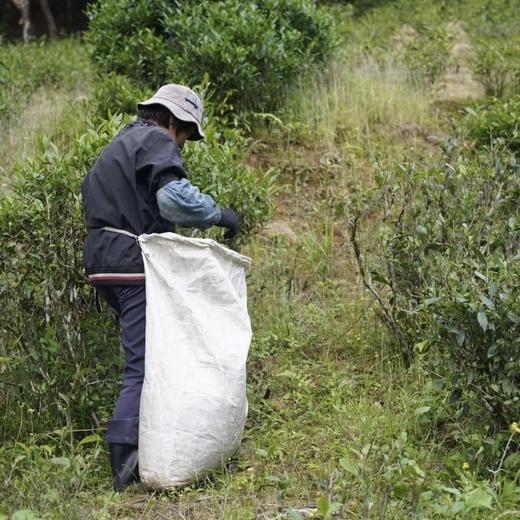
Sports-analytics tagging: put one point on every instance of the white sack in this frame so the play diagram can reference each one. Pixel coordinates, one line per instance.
(193, 404)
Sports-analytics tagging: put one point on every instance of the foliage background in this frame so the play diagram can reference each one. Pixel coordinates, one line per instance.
(251, 51)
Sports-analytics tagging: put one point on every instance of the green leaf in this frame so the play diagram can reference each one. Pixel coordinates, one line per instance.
(61, 461)
(415, 467)
(482, 320)
(400, 488)
(457, 507)
(493, 350)
(260, 452)
(478, 498)
(452, 490)
(421, 345)
(480, 275)
(324, 507)
(487, 302)
(422, 410)
(25, 514)
(284, 484)
(349, 465)
(272, 478)
(89, 439)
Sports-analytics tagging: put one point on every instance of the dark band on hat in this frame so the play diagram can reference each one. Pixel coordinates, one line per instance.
(191, 102)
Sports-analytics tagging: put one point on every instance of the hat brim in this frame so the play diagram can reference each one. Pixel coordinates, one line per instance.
(178, 112)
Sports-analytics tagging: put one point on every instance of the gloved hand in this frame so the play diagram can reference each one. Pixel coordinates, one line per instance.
(229, 219)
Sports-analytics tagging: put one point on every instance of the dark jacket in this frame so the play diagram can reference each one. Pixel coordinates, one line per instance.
(120, 192)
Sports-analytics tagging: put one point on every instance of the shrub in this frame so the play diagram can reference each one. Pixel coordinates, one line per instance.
(57, 361)
(496, 66)
(496, 35)
(251, 51)
(116, 94)
(216, 165)
(447, 275)
(427, 56)
(500, 121)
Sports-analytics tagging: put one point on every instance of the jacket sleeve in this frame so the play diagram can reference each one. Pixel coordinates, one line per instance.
(183, 204)
(158, 161)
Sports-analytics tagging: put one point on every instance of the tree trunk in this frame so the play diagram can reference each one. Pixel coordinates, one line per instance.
(25, 20)
(51, 24)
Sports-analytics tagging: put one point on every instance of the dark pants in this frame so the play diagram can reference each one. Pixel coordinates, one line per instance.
(129, 301)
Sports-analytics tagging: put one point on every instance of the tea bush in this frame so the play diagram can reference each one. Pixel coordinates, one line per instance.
(421, 34)
(496, 66)
(117, 94)
(57, 361)
(427, 56)
(447, 274)
(216, 165)
(251, 51)
(411, 34)
(496, 34)
(499, 121)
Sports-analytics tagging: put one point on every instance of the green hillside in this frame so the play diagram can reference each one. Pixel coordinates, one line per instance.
(371, 149)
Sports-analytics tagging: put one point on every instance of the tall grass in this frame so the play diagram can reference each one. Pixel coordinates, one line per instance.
(42, 87)
(354, 99)
(48, 112)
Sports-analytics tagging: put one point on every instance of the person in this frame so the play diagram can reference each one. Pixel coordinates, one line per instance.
(138, 185)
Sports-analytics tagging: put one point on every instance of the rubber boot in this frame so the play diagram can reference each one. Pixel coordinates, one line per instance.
(123, 461)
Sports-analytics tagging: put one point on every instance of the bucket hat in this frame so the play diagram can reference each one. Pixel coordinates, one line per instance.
(182, 102)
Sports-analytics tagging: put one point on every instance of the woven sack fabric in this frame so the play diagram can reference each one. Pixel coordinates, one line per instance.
(198, 332)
